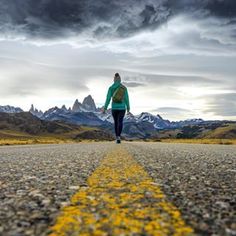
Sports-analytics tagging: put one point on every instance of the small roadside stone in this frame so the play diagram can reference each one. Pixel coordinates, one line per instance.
(74, 187)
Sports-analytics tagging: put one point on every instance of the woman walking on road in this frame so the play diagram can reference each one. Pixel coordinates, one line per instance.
(120, 102)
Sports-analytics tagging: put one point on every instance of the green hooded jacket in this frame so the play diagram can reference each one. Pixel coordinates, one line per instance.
(117, 106)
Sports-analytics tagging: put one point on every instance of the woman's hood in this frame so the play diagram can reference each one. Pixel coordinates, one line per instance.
(116, 84)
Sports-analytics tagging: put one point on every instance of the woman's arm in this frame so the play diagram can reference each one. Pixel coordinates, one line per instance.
(127, 100)
(108, 99)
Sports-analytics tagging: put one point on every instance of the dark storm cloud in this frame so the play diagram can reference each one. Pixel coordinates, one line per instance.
(222, 104)
(218, 8)
(107, 19)
(222, 8)
(56, 18)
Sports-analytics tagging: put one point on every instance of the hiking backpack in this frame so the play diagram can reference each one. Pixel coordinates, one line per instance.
(118, 94)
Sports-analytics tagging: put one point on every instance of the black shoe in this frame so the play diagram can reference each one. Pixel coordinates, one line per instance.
(118, 141)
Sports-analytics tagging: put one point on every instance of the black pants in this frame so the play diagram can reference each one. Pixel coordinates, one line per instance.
(118, 116)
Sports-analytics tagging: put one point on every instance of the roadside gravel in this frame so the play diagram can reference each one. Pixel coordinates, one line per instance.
(36, 180)
(199, 179)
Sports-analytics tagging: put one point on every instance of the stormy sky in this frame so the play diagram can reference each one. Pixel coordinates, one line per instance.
(177, 57)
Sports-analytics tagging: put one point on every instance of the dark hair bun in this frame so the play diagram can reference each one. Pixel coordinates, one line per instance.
(117, 74)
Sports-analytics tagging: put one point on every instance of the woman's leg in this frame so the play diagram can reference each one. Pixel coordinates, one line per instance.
(121, 115)
(115, 117)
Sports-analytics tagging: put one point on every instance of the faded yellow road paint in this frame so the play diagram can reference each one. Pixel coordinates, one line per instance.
(121, 199)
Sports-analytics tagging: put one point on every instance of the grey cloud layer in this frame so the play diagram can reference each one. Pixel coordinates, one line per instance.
(25, 78)
(172, 109)
(52, 19)
(170, 80)
(222, 104)
(133, 84)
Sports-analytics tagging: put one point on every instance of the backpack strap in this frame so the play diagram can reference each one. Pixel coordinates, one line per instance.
(121, 86)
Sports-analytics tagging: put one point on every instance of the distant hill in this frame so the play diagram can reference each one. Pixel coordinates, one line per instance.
(24, 123)
(224, 130)
(227, 131)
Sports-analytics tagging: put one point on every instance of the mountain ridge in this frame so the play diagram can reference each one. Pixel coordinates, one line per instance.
(143, 125)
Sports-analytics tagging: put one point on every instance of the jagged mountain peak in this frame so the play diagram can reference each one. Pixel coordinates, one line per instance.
(89, 104)
(159, 117)
(64, 107)
(145, 115)
(35, 111)
(89, 96)
(77, 106)
(10, 109)
(77, 101)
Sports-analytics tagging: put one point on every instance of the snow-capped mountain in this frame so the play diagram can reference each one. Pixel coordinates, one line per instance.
(86, 113)
(104, 117)
(10, 109)
(157, 121)
(183, 123)
(47, 115)
(144, 125)
(70, 116)
(35, 111)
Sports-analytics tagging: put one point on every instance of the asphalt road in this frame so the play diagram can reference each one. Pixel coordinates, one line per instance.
(199, 179)
(37, 180)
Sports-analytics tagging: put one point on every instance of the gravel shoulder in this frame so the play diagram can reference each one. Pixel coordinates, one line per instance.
(199, 179)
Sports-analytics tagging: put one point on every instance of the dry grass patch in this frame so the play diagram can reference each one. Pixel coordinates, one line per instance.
(200, 141)
(38, 140)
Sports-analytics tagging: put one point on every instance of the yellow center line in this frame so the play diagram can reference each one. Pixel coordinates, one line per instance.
(121, 199)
